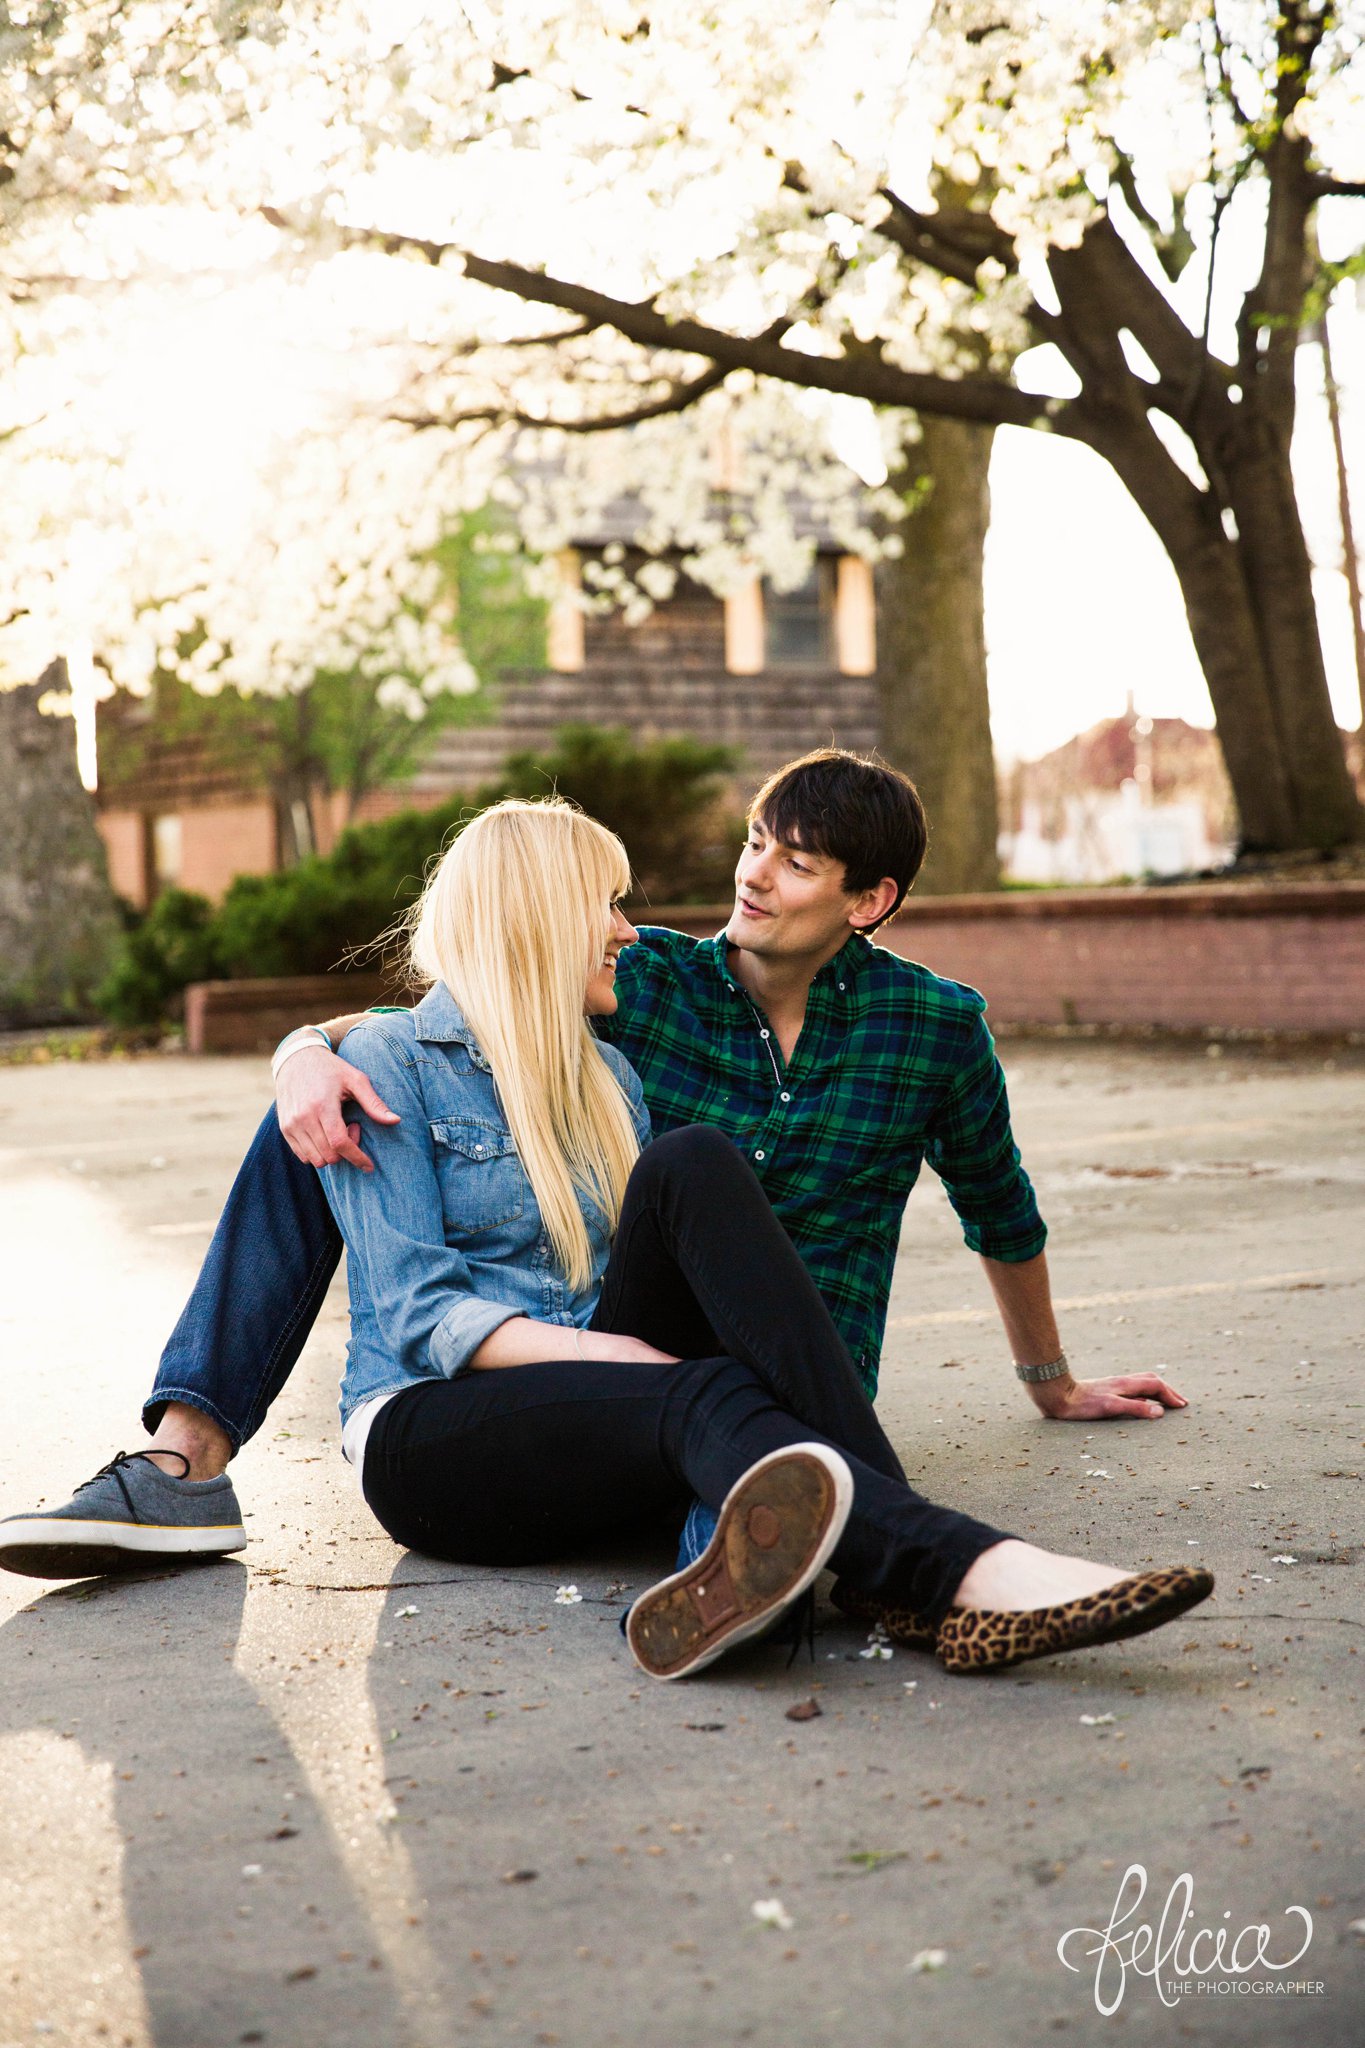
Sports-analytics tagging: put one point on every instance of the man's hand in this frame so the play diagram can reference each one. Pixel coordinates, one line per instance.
(1144, 1394)
(309, 1093)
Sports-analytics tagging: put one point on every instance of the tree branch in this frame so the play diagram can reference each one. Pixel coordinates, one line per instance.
(956, 242)
(1322, 187)
(1271, 313)
(685, 392)
(516, 341)
(981, 401)
(1111, 287)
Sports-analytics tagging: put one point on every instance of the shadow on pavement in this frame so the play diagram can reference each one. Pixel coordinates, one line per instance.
(232, 1892)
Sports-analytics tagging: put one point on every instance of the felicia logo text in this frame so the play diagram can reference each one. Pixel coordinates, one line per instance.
(1175, 1948)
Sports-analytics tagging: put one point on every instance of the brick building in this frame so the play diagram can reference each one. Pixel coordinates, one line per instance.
(770, 674)
(1130, 796)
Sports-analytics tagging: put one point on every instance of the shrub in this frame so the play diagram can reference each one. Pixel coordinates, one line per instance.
(661, 797)
(174, 944)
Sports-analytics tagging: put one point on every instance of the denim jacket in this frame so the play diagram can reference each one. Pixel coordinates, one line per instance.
(444, 1240)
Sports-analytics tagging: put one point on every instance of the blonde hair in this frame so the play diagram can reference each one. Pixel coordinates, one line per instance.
(514, 920)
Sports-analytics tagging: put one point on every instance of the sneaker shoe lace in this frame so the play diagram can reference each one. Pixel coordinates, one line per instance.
(112, 1471)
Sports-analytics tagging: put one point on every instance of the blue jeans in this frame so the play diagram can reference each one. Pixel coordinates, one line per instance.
(257, 1295)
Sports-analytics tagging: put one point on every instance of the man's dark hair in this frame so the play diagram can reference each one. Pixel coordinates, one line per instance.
(852, 808)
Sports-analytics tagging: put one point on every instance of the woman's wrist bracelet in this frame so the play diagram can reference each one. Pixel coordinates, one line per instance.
(296, 1041)
(1038, 1375)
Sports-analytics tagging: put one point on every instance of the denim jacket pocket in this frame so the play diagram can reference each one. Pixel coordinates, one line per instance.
(482, 1181)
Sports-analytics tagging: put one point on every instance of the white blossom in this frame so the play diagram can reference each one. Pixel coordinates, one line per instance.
(193, 208)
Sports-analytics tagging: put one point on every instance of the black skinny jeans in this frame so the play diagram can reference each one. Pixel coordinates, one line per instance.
(518, 1464)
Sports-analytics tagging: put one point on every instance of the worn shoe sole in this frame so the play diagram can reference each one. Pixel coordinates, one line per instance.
(990, 1639)
(779, 1523)
(40, 1547)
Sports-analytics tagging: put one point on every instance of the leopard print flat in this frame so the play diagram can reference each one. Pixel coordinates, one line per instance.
(990, 1639)
(903, 1626)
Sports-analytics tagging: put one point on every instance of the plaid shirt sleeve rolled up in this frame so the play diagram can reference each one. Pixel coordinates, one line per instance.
(894, 1065)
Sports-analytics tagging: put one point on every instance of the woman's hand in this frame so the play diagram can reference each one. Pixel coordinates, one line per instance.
(1143, 1394)
(523, 1341)
(623, 1350)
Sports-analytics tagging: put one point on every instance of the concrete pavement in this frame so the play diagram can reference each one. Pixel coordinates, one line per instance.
(339, 1793)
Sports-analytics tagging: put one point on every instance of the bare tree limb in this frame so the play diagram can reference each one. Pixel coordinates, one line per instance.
(1110, 290)
(682, 394)
(981, 400)
(1243, 117)
(514, 341)
(956, 241)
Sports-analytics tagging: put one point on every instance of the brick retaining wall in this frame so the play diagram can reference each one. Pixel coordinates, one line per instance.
(1232, 956)
(253, 1016)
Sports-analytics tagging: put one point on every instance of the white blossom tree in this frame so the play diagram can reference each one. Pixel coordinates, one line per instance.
(184, 104)
(1098, 151)
(848, 198)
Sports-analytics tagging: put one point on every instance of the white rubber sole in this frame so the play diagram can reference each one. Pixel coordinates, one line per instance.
(754, 1624)
(38, 1547)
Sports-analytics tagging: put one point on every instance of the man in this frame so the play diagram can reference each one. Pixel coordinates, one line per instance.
(835, 1066)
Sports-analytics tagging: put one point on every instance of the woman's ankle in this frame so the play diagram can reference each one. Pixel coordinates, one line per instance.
(1015, 1574)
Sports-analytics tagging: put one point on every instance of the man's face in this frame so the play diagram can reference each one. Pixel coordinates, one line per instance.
(789, 902)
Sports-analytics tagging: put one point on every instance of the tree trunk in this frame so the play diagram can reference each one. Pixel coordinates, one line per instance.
(1249, 602)
(935, 710)
(1277, 577)
(59, 929)
(1235, 537)
(292, 793)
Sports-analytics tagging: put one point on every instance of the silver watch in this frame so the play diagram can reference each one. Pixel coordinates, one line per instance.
(1035, 1375)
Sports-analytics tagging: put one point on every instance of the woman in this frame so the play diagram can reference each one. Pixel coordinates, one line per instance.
(555, 1334)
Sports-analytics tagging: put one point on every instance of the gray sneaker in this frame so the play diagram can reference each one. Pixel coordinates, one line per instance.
(129, 1516)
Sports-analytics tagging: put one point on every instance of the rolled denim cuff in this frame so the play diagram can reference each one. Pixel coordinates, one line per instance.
(463, 1328)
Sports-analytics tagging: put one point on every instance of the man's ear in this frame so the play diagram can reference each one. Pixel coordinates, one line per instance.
(872, 905)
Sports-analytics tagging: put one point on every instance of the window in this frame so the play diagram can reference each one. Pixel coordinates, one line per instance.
(564, 632)
(744, 630)
(855, 617)
(799, 624)
(167, 862)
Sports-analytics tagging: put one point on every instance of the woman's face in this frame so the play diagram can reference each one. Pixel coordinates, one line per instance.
(600, 999)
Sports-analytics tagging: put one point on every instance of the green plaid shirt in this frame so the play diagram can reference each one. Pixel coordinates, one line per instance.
(893, 1066)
